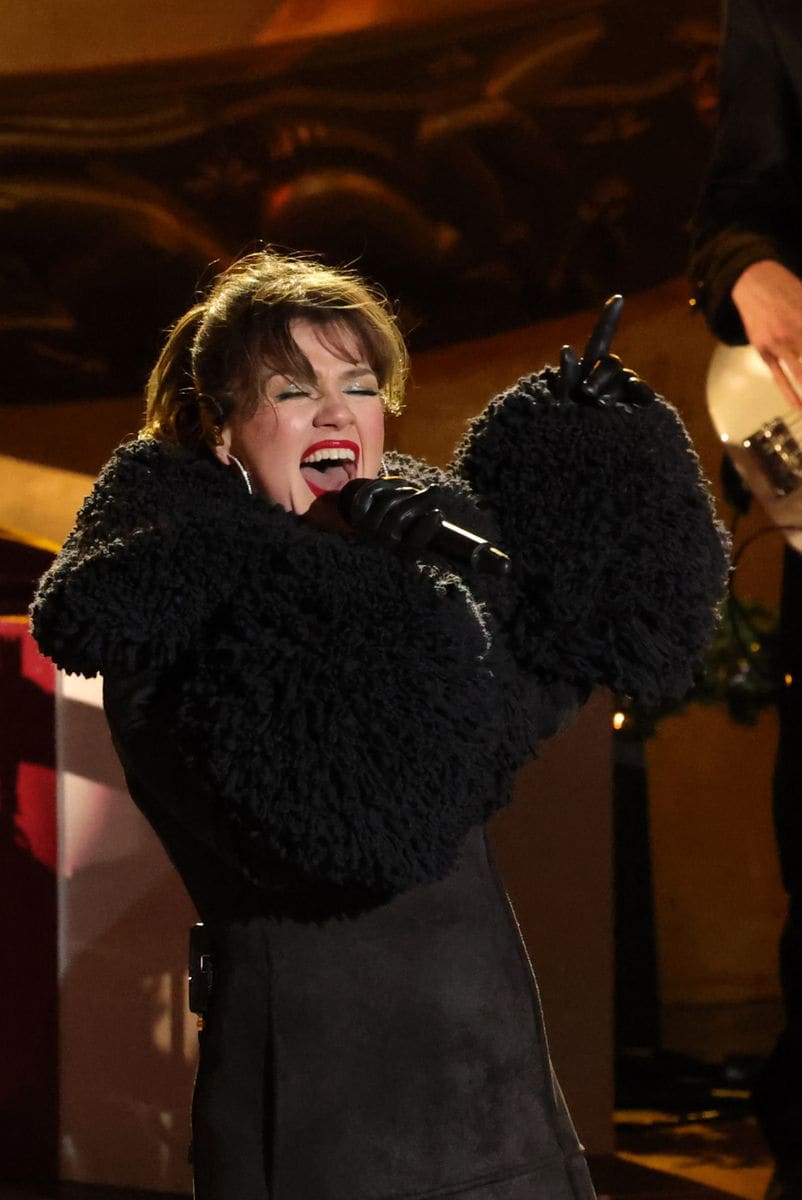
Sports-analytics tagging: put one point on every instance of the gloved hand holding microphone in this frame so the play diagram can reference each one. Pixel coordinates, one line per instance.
(394, 511)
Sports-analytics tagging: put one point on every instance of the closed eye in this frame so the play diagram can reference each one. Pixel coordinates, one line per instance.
(291, 392)
(294, 392)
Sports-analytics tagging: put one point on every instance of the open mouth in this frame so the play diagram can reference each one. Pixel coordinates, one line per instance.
(328, 466)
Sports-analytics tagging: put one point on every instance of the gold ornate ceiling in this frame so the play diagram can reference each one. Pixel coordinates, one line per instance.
(489, 166)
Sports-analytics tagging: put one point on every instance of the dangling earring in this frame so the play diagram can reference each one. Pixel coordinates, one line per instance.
(246, 477)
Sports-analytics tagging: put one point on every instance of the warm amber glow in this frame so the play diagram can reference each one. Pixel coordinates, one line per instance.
(618, 720)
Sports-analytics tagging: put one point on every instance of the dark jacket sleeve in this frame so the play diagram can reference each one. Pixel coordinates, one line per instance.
(752, 195)
(617, 559)
(174, 792)
(279, 694)
(103, 603)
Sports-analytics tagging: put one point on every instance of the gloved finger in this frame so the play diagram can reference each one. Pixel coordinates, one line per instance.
(419, 534)
(366, 495)
(627, 389)
(378, 519)
(604, 379)
(569, 374)
(637, 391)
(394, 515)
(598, 344)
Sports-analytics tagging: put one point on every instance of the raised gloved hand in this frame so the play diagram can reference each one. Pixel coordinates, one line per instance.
(391, 509)
(599, 378)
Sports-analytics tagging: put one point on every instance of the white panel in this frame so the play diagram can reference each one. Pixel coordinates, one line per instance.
(127, 1048)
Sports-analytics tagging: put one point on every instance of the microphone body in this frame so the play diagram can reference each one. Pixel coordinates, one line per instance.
(460, 545)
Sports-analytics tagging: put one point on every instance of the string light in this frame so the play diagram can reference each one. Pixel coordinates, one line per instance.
(618, 720)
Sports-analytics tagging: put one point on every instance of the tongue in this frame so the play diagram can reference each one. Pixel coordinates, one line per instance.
(331, 480)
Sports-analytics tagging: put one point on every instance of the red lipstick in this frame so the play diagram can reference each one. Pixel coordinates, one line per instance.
(349, 471)
(333, 444)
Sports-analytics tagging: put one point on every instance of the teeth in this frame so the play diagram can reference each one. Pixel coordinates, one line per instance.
(328, 455)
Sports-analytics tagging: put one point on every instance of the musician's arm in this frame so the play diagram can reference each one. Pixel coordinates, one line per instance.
(746, 250)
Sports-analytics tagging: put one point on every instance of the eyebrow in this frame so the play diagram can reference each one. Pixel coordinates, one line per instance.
(352, 373)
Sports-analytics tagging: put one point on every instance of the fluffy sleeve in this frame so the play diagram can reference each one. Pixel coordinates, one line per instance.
(148, 562)
(618, 561)
(347, 717)
(281, 695)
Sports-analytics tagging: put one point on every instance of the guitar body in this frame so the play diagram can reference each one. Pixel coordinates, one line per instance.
(760, 431)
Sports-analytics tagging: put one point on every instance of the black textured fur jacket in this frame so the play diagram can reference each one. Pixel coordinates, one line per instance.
(294, 704)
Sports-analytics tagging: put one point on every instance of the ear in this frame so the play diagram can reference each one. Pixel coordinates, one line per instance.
(222, 446)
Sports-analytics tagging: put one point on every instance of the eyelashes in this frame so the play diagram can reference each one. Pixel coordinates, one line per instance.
(297, 392)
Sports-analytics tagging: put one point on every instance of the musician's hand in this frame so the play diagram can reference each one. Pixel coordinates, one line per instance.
(600, 378)
(392, 510)
(769, 300)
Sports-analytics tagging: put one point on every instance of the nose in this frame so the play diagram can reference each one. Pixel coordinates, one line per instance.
(333, 410)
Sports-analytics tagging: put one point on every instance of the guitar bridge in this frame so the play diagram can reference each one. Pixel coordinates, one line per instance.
(779, 456)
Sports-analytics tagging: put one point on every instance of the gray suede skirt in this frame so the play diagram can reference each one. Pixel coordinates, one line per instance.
(395, 1055)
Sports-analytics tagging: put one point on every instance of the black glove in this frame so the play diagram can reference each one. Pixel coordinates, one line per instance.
(600, 378)
(391, 509)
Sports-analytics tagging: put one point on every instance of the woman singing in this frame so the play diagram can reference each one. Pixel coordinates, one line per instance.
(318, 705)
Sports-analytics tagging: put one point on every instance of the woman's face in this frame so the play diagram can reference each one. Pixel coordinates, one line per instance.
(310, 437)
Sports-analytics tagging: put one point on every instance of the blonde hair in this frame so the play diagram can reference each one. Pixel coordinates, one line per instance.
(216, 355)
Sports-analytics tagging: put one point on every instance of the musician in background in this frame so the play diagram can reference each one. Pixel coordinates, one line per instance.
(747, 264)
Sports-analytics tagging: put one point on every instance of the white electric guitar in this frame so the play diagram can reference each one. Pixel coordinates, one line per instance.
(761, 432)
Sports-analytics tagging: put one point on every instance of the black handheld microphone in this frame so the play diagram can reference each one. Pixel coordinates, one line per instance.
(460, 545)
